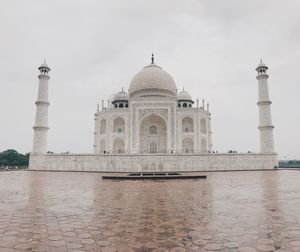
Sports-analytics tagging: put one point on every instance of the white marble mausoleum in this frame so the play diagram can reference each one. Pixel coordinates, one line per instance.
(152, 118)
(153, 127)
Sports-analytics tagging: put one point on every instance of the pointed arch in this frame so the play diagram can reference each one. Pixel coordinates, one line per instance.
(153, 134)
(118, 146)
(187, 124)
(187, 145)
(203, 126)
(119, 125)
(103, 126)
(102, 146)
(203, 145)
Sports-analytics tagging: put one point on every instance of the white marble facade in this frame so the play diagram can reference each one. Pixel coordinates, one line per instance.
(152, 118)
(153, 128)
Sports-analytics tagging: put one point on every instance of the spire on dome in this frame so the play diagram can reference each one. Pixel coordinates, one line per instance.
(152, 59)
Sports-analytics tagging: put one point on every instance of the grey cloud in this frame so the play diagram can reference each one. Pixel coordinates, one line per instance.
(95, 48)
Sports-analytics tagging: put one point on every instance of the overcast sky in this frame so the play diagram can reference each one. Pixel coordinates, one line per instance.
(95, 47)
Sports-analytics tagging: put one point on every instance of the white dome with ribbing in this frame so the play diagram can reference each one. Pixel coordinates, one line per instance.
(152, 80)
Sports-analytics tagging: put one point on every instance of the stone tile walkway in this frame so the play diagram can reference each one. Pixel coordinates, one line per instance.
(230, 211)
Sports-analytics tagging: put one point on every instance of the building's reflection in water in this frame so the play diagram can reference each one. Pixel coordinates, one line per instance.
(229, 211)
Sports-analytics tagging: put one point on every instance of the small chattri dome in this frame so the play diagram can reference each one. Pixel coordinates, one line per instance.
(261, 65)
(184, 96)
(121, 96)
(44, 66)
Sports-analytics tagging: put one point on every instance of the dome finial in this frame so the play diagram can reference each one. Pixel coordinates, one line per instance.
(152, 59)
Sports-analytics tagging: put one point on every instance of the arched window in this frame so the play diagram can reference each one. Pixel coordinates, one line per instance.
(203, 145)
(153, 130)
(118, 146)
(103, 126)
(116, 105)
(146, 136)
(190, 105)
(126, 105)
(121, 105)
(187, 145)
(119, 125)
(179, 105)
(153, 148)
(203, 126)
(187, 124)
(102, 146)
(184, 105)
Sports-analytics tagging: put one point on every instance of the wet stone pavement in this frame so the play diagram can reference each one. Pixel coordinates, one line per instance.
(229, 211)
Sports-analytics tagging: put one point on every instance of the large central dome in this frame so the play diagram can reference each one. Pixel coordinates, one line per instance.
(152, 80)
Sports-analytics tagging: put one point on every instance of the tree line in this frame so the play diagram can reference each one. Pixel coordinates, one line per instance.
(289, 163)
(11, 157)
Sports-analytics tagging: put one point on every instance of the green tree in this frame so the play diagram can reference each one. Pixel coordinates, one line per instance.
(11, 157)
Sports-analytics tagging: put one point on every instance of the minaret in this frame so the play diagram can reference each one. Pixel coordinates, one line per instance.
(96, 130)
(209, 130)
(41, 117)
(265, 121)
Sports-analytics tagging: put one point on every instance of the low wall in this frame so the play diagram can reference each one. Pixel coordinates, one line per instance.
(152, 162)
(13, 167)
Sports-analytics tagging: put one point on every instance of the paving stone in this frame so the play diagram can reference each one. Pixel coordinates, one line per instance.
(23, 245)
(84, 235)
(87, 241)
(231, 245)
(213, 246)
(265, 247)
(178, 249)
(200, 242)
(69, 234)
(295, 243)
(74, 245)
(225, 213)
(265, 241)
(58, 243)
(109, 249)
(125, 249)
(246, 249)
(4, 249)
(55, 237)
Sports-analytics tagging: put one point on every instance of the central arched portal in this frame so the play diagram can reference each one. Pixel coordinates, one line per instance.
(153, 134)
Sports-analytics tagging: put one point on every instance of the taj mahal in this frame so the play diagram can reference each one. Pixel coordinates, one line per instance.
(153, 127)
(152, 118)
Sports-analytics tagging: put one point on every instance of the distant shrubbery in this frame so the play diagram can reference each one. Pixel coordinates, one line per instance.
(289, 163)
(13, 158)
